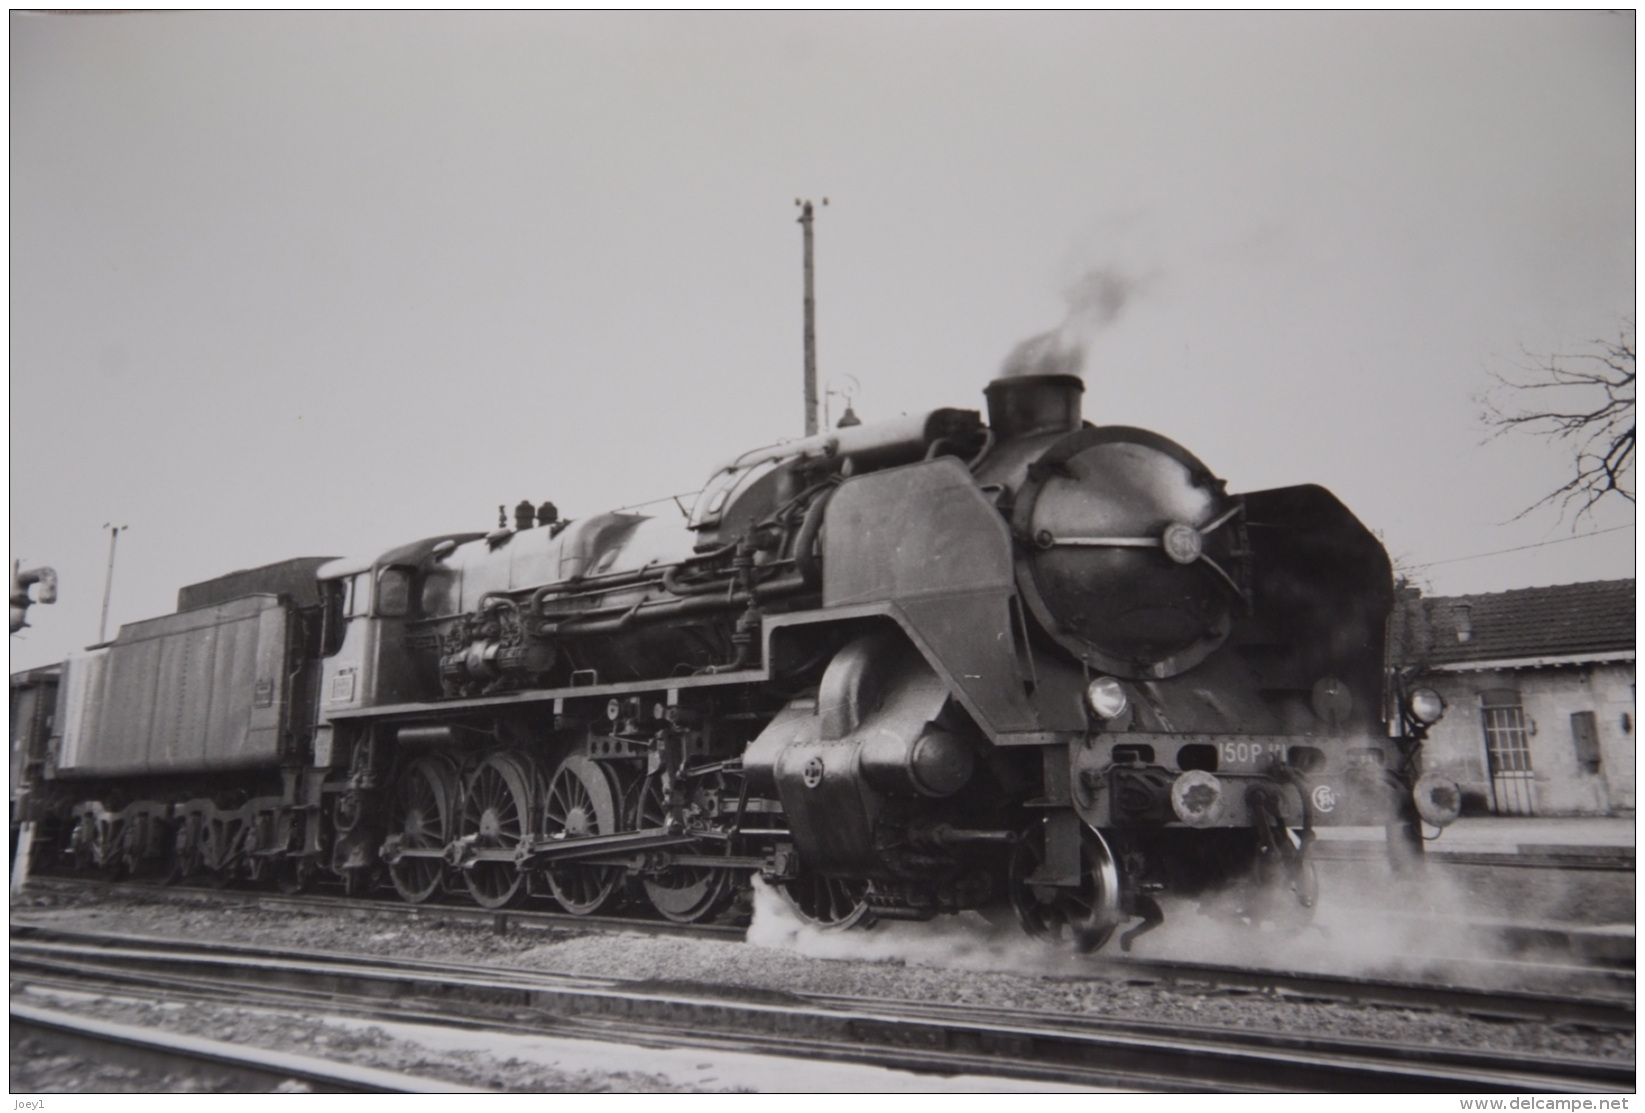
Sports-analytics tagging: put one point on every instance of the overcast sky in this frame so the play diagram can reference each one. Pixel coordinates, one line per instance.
(304, 284)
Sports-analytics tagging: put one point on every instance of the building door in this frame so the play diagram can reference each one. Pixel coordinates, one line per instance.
(1508, 750)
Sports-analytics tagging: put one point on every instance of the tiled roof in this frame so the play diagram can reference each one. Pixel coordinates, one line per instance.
(1565, 620)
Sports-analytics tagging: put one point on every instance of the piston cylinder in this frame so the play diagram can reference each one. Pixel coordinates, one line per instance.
(932, 763)
(880, 727)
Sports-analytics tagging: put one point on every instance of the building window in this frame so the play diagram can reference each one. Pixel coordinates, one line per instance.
(1508, 750)
(1585, 737)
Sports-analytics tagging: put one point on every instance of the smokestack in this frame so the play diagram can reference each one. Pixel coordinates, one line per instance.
(1038, 390)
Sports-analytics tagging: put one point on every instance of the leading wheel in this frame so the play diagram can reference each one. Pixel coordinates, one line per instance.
(1085, 914)
(421, 815)
(829, 903)
(581, 802)
(496, 815)
(683, 894)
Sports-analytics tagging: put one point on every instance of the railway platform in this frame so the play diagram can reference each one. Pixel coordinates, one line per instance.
(1601, 836)
(1561, 884)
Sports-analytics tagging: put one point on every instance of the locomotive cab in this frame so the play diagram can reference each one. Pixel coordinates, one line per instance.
(370, 607)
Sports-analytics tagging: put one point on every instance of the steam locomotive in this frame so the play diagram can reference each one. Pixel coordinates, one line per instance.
(892, 670)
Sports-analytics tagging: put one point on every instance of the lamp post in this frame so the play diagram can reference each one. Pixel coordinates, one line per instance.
(108, 580)
(810, 323)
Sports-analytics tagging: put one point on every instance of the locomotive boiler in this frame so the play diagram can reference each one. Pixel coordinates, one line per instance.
(893, 670)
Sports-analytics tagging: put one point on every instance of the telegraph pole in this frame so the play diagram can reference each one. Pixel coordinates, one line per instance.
(108, 581)
(810, 323)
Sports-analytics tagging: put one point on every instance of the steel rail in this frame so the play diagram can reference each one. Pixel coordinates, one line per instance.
(1589, 994)
(245, 1069)
(501, 920)
(942, 1038)
(1596, 997)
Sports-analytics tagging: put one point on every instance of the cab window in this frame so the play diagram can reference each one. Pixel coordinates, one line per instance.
(393, 592)
(334, 607)
(357, 595)
(439, 595)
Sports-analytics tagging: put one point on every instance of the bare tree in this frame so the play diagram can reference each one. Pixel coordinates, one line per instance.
(1586, 400)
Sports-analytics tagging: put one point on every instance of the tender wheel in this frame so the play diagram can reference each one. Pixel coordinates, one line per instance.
(216, 846)
(260, 836)
(90, 843)
(147, 838)
(830, 903)
(111, 849)
(496, 815)
(185, 857)
(294, 875)
(422, 811)
(683, 894)
(1085, 916)
(580, 802)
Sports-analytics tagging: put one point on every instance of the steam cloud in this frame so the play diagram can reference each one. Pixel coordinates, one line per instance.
(963, 942)
(1095, 300)
(1370, 923)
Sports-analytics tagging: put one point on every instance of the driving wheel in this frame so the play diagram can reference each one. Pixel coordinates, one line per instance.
(683, 894)
(496, 815)
(421, 815)
(581, 802)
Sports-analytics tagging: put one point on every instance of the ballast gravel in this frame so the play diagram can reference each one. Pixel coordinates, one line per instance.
(957, 961)
(40, 1070)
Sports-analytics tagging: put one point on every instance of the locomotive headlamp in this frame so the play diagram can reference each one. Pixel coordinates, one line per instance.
(1107, 697)
(1196, 797)
(1426, 705)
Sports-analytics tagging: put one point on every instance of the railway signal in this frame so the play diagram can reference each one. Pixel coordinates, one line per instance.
(20, 583)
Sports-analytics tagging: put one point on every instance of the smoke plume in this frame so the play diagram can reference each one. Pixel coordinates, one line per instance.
(1095, 301)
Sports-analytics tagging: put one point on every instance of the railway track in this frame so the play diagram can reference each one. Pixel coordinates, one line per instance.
(900, 1035)
(1586, 995)
(232, 1068)
(1582, 993)
(454, 912)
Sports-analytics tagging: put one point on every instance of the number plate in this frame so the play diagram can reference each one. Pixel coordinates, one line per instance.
(1248, 757)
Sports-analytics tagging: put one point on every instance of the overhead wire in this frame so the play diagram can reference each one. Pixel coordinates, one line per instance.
(1520, 548)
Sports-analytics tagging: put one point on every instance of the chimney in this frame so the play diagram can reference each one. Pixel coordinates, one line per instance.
(1019, 405)
(1038, 390)
(1464, 613)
